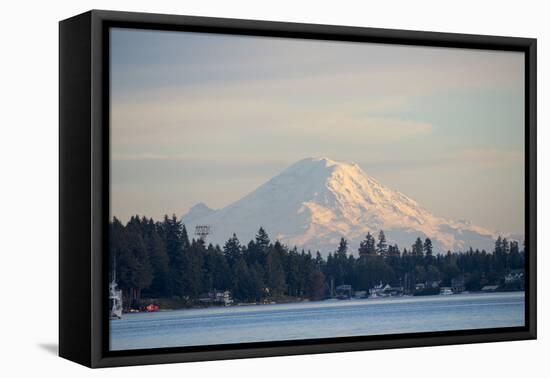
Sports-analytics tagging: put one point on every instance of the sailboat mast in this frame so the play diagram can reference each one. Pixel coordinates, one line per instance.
(114, 269)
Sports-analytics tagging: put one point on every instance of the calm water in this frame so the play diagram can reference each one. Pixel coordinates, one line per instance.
(331, 318)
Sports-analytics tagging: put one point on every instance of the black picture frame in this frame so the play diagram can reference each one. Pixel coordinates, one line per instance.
(84, 186)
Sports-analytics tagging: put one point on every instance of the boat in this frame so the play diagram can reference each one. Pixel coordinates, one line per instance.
(152, 307)
(446, 291)
(115, 299)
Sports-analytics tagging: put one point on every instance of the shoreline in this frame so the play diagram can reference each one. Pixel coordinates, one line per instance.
(305, 300)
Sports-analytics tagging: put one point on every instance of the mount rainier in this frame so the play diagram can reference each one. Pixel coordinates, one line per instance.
(316, 201)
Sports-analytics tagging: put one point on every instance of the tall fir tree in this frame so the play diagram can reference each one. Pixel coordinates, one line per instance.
(342, 250)
(160, 262)
(367, 246)
(382, 246)
(428, 248)
(232, 250)
(418, 248)
(275, 274)
(262, 239)
(177, 244)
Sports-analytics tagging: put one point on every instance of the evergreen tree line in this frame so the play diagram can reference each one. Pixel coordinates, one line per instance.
(159, 260)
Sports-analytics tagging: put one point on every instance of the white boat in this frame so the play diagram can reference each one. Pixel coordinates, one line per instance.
(115, 299)
(446, 291)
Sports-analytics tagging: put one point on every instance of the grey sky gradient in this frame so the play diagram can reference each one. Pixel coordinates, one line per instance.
(208, 118)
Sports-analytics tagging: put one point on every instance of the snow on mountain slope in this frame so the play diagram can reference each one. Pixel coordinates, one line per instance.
(316, 201)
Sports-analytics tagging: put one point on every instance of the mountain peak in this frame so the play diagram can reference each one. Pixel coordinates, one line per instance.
(198, 211)
(322, 166)
(317, 200)
(323, 161)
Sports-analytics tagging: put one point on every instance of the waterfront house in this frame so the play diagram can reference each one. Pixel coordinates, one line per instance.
(433, 284)
(514, 276)
(419, 286)
(217, 297)
(386, 290)
(344, 291)
(427, 288)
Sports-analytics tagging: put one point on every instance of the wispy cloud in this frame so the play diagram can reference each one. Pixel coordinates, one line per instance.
(221, 120)
(488, 156)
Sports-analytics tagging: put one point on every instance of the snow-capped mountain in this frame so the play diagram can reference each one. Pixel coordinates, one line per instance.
(316, 201)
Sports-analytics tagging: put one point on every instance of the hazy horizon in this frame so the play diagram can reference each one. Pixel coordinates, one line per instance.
(209, 118)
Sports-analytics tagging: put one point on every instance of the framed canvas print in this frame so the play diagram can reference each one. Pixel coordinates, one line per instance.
(234, 188)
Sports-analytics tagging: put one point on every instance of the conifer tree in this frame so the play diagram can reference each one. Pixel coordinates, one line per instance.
(417, 248)
(342, 250)
(262, 239)
(515, 256)
(256, 282)
(193, 268)
(274, 270)
(382, 246)
(316, 285)
(232, 250)
(242, 284)
(499, 255)
(367, 246)
(160, 262)
(428, 248)
(140, 275)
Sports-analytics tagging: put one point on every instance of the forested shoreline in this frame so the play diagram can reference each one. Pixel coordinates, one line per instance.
(158, 260)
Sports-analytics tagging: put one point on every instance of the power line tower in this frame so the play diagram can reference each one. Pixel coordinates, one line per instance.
(202, 231)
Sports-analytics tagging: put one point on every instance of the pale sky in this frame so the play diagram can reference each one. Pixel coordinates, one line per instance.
(208, 118)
